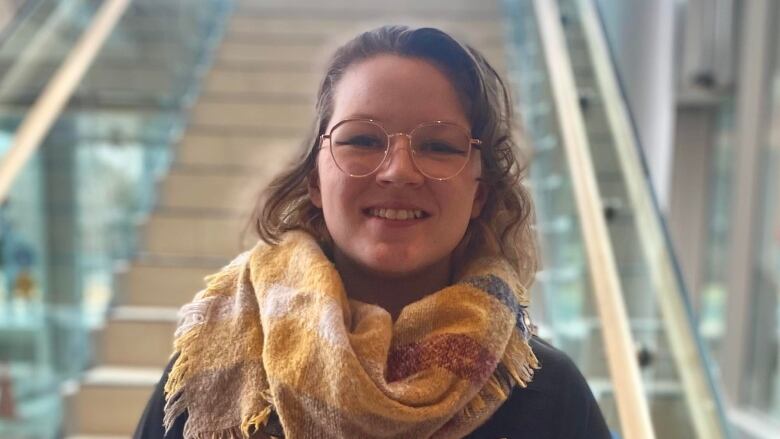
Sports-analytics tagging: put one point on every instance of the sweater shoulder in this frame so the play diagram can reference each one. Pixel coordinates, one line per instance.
(557, 403)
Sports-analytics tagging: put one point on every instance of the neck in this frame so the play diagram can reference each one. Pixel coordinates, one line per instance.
(390, 291)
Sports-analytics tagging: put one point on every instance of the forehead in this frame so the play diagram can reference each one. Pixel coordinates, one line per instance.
(400, 91)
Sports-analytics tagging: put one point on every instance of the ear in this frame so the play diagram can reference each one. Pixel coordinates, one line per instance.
(313, 185)
(480, 196)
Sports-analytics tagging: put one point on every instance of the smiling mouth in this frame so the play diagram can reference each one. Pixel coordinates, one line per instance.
(396, 214)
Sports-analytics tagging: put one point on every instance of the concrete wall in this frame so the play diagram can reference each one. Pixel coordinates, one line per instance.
(641, 36)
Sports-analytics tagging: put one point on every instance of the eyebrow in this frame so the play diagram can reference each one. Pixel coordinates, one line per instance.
(372, 117)
(363, 116)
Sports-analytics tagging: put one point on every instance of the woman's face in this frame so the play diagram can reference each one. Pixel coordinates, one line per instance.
(401, 93)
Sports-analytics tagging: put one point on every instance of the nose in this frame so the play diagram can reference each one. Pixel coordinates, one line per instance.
(398, 167)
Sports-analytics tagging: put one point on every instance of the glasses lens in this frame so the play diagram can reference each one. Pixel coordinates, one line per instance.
(440, 151)
(358, 147)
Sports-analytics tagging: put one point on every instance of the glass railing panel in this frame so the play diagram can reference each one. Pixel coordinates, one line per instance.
(9, 123)
(70, 218)
(38, 44)
(28, 376)
(762, 374)
(153, 55)
(118, 160)
(563, 296)
(147, 59)
(713, 295)
(79, 201)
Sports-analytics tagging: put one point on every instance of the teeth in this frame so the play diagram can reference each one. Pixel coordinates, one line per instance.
(396, 214)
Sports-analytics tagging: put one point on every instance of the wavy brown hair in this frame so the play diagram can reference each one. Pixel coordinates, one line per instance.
(504, 226)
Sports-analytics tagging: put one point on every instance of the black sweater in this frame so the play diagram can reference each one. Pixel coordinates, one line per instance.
(557, 404)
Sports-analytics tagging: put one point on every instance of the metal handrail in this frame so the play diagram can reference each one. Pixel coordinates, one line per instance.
(704, 407)
(621, 358)
(58, 90)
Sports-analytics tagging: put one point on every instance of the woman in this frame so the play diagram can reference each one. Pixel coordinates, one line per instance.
(387, 296)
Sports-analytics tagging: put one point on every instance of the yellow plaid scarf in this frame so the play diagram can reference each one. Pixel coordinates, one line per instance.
(275, 331)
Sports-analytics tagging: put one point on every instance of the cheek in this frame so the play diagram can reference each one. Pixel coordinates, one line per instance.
(328, 179)
(475, 166)
(336, 189)
(458, 202)
(469, 185)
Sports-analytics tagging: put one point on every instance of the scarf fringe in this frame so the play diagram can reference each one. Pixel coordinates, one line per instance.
(517, 367)
(192, 317)
(253, 424)
(519, 360)
(179, 375)
(228, 433)
(174, 406)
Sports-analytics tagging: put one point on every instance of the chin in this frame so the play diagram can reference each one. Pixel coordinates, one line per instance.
(397, 272)
(395, 267)
(389, 269)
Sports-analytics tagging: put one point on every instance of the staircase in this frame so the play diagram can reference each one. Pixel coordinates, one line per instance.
(255, 105)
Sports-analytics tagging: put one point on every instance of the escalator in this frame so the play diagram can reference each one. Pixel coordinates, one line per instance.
(69, 212)
(124, 198)
(590, 183)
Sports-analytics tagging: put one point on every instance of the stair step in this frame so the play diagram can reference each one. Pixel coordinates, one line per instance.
(110, 401)
(334, 29)
(123, 376)
(161, 285)
(98, 436)
(306, 56)
(194, 234)
(205, 181)
(201, 147)
(203, 261)
(235, 191)
(251, 53)
(138, 337)
(349, 8)
(153, 314)
(272, 83)
(252, 115)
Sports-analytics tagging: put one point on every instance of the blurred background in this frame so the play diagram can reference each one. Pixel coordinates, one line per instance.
(135, 136)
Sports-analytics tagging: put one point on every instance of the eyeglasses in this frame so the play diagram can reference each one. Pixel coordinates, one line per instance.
(439, 150)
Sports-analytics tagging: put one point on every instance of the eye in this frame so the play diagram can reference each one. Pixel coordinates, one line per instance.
(366, 141)
(440, 147)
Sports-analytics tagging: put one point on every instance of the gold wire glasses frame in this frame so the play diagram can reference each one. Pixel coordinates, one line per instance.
(365, 155)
